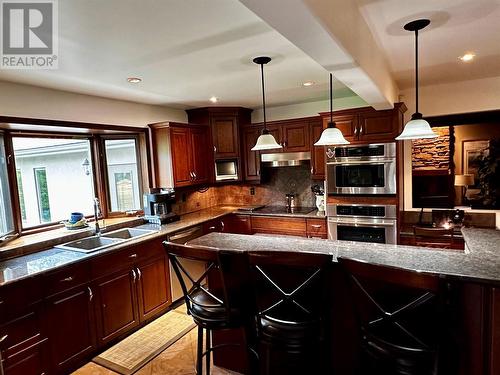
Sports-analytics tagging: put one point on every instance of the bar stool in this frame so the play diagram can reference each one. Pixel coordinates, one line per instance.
(401, 318)
(215, 308)
(291, 298)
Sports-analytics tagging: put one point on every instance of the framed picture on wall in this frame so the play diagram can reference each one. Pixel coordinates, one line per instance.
(472, 151)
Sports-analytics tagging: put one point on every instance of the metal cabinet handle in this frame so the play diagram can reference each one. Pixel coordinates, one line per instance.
(215, 149)
(222, 225)
(312, 170)
(134, 276)
(356, 130)
(211, 228)
(66, 279)
(133, 256)
(361, 130)
(316, 225)
(139, 273)
(191, 175)
(284, 144)
(91, 295)
(195, 176)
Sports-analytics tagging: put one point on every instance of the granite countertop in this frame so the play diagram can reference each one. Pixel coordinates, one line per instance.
(24, 266)
(480, 262)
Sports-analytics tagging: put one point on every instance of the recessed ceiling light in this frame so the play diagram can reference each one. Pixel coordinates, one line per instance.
(134, 79)
(469, 56)
(214, 99)
(308, 83)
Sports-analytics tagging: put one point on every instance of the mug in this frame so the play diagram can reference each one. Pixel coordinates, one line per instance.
(75, 216)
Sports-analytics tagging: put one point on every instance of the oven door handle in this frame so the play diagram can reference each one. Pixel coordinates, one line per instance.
(362, 223)
(349, 162)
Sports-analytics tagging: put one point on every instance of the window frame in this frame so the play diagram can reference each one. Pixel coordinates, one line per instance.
(12, 127)
(12, 234)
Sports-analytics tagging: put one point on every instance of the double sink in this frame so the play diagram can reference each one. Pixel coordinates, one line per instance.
(94, 243)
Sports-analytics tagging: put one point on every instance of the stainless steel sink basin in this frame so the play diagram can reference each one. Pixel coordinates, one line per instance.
(90, 244)
(128, 233)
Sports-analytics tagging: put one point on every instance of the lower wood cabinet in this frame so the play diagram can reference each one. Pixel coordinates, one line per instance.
(279, 225)
(116, 300)
(237, 223)
(153, 287)
(71, 327)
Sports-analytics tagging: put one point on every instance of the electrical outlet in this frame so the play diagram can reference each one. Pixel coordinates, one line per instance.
(252, 191)
(197, 204)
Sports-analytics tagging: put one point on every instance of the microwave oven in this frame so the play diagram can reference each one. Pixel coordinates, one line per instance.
(226, 170)
(361, 169)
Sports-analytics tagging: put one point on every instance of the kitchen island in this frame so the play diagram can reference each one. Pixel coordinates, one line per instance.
(473, 276)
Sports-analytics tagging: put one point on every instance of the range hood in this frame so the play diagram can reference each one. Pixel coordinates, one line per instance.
(285, 159)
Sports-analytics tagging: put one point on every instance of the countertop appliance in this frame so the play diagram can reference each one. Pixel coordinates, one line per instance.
(226, 170)
(194, 267)
(158, 206)
(363, 223)
(361, 169)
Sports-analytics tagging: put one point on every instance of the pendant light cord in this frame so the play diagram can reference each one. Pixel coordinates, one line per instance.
(331, 99)
(263, 94)
(416, 71)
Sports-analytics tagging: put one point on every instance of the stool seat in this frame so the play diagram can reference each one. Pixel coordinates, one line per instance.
(211, 313)
(288, 331)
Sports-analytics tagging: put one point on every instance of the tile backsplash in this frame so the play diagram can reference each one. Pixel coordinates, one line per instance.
(276, 182)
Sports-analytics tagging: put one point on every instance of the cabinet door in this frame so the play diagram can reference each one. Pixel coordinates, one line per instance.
(276, 132)
(31, 361)
(153, 287)
(317, 152)
(225, 136)
(239, 224)
(378, 126)
(202, 162)
(296, 137)
(251, 159)
(347, 124)
(181, 156)
(116, 301)
(71, 327)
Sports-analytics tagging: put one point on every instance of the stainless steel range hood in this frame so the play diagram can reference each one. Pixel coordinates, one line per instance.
(285, 159)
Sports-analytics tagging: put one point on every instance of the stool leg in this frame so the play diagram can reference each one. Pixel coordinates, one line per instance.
(199, 353)
(208, 336)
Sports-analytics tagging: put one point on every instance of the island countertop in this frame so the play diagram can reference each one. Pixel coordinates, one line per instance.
(480, 262)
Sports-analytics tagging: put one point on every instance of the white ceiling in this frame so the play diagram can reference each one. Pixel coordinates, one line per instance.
(457, 26)
(185, 52)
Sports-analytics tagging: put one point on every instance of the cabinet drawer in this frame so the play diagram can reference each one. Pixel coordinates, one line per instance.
(18, 296)
(316, 228)
(279, 225)
(122, 259)
(67, 278)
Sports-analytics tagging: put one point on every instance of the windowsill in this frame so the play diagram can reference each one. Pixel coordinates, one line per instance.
(31, 243)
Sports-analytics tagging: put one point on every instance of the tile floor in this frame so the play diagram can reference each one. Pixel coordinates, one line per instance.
(178, 359)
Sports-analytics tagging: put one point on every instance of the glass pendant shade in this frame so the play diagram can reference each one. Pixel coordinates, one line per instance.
(331, 136)
(416, 128)
(266, 141)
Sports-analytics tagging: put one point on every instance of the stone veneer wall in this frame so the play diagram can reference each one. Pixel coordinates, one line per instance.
(432, 153)
(276, 182)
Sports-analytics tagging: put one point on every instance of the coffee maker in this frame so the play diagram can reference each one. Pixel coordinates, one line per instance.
(158, 206)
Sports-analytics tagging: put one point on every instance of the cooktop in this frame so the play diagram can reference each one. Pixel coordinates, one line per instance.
(284, 210)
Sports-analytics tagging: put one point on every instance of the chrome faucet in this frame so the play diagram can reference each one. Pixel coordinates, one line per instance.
(97, 211)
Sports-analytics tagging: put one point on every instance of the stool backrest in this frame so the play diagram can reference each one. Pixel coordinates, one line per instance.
(433, 237)
(218, 295)
(290, 286)
(404, 304)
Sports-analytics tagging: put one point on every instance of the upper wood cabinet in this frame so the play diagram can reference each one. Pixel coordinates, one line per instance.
(317, 152)
(292, 135)
(251, 159)
(367, 125)
(225, 123)
(181, 154)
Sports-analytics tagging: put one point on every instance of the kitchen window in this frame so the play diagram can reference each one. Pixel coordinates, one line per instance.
(51, 179)
(6, 217)
(124, 188)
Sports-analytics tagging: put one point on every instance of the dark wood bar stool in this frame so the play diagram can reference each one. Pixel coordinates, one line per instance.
(291, 297)
(216, 308)
(401, 317)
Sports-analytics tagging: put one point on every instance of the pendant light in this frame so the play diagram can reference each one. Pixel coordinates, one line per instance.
(331, 135)
(266, 140)
(417, 127)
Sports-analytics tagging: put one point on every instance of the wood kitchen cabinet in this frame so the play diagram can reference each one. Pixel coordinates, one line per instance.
(251, 159)
(293, 135)
(317, 152)
(225, 124)
(181, 154)
(237, 223)
(367, 125)
(71, 323)
(295, 226)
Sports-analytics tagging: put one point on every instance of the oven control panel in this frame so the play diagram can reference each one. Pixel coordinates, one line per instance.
(373, 211)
